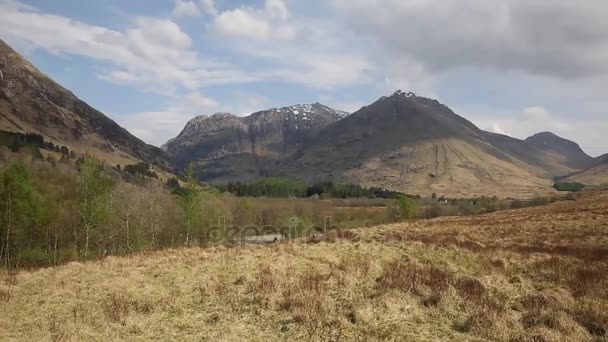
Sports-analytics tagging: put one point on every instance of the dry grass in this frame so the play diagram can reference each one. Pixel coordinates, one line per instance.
(534, 274)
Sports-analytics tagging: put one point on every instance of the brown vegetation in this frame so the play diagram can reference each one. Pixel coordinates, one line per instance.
(505, 276)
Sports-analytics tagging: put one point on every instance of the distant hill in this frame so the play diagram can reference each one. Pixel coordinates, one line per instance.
(596, 175)
(573, 155)
(553, 155)
(31, 102)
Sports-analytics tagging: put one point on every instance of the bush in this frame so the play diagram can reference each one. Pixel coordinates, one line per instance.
(569, 186)
(403, 208)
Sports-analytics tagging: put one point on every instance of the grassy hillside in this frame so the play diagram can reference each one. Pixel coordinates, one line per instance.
(536, 274)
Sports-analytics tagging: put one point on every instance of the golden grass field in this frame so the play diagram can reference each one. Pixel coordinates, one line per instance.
(536, 274)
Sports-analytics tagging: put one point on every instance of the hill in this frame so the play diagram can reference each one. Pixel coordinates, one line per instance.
(554, 156)
(572, 154)
(225, 147)
(31, 102)
(596, 175)
(497, 277)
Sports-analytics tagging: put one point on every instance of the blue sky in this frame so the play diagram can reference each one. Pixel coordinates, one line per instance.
(152, 65)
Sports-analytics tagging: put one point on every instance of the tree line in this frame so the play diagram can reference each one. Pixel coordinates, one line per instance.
(56, 212)
(285, 188)
(51, 213)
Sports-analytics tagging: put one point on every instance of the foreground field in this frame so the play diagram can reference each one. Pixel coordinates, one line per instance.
(537, 274)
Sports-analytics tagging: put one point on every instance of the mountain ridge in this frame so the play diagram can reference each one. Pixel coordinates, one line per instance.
(32, 102)
(253, 143)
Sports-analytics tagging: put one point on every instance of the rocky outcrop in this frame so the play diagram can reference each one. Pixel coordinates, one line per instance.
(224, 147)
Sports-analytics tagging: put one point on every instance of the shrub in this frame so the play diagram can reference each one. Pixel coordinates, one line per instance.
(569, 186)
(403, 208)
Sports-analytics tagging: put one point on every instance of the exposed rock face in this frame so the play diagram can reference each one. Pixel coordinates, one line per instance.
(32, 102)
(225, 147)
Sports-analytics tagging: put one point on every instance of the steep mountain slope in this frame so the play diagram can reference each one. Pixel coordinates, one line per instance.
(225, 147)
(417, 145)
(596, 175)
(32, 102)
(573, 155)
(553, 155)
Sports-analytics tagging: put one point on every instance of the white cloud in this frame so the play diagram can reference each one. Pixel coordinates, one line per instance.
(157, 127)
(299, 49)
(322, 71)
(506, 35)
(528, 121)
(153, 54)
(245, 102)
(186, 8)
(268, 23)
(209, 7)
(496, 128)
(531, 120)
(536, 114)
(197, 102)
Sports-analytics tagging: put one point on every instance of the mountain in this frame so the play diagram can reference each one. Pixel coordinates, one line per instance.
(596, 175)
(225, 147)
(573, 155)
(31, 102)
(417, 145)
(552, 155)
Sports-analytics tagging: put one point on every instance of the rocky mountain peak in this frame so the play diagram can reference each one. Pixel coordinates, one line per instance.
(203, 124)
(306, 112)
(400, 92)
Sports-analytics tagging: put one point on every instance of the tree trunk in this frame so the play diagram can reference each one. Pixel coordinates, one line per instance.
(128, 242)
(86, 241)
(9, 204)
(188, 233)
(188, 237)
(55, 252)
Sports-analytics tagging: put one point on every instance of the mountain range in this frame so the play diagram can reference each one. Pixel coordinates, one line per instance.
(400, 142)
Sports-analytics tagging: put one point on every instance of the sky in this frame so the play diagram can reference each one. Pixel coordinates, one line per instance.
(515, 67)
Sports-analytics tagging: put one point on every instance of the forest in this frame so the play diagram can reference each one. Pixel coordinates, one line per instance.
(284, 188)
(57, 208)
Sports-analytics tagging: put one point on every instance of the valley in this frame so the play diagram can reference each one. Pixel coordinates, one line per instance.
(519, 275)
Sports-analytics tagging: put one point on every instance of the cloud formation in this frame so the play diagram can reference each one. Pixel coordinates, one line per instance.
(263, 24)
(557, 38)
(154, 54)
(186, 8)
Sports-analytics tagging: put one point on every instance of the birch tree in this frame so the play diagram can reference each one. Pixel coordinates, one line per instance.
(93, 199)
(190, 203)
